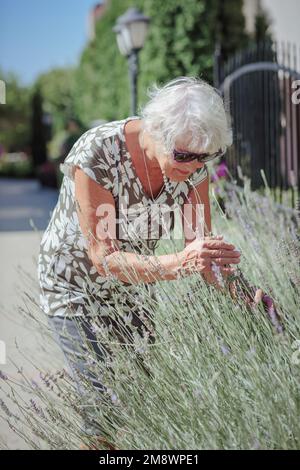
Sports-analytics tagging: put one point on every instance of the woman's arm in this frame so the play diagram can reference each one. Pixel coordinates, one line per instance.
(135, 268)
(96, 213)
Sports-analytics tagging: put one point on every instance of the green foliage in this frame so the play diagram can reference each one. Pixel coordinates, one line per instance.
(54, 146)
(180, 42)
(57, 88)
(21, 169)
(231, 27)
(38, 135)
(102, 76)
(262, 27)
(15, 114)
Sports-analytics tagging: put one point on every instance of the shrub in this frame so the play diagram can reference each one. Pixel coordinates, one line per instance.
(217, 376)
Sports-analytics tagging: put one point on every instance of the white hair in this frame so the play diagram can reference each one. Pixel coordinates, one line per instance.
(187, 108)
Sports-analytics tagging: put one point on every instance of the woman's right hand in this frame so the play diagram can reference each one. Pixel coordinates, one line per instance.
(198, 256)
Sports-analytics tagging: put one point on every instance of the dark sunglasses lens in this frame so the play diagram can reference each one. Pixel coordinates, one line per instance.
(183, 157)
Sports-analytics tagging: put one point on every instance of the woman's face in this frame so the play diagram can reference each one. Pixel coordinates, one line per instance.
(176, 171)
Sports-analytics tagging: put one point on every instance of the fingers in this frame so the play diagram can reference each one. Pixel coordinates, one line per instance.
(228, 270)
(217, 244)
(222, 261)
(222, 253)
(211, 243)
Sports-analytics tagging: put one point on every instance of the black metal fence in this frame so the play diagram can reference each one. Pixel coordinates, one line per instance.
(260, 87)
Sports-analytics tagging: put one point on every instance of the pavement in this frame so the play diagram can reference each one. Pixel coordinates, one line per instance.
(23, 201)
(25, 209)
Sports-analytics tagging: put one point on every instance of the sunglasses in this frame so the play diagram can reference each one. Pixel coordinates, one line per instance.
(185, 157)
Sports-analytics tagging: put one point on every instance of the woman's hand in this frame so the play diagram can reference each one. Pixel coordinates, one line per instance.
(199, 255)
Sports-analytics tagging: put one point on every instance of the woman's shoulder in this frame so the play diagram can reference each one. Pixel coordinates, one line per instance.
(97, 152)
(102, 135)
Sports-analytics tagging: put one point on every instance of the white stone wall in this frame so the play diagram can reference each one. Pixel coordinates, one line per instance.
(284, 15)
(286, 19)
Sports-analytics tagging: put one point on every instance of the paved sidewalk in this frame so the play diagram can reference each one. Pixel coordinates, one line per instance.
(19, 245)
(22, 200)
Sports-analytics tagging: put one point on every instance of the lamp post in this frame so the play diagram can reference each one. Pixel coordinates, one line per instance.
(131, 30)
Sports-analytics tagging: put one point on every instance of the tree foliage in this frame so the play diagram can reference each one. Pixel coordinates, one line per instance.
(181, 41)
(262, 27)
(231, 33)
(57, 88)
(101, 80)
(15, 114)
(38, 135)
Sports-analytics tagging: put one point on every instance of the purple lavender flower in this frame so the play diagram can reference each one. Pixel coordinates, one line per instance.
(225, 350)
(38, 410)
(220, 172)
(272, 313)
(34, 383)
(5, 409)
(3, 376)
(224, 347)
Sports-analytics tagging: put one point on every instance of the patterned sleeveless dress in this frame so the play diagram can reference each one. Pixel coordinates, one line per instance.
(69, 283)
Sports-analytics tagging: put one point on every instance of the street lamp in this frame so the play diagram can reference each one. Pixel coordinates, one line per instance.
(131, 30)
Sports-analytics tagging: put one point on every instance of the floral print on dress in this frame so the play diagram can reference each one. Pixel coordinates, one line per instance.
(69, 282)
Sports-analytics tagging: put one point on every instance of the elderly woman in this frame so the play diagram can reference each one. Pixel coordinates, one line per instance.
(125, 167)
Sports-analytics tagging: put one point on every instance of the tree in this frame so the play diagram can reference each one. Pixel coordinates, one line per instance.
(262, 26)
(101, 80)
(230, 28)
(180, 42)
(15, 114)
(57, 88)
(38, 136)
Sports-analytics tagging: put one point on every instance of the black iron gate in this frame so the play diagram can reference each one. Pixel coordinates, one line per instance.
(260, 86)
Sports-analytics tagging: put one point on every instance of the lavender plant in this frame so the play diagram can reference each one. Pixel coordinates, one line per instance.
(208, 372)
